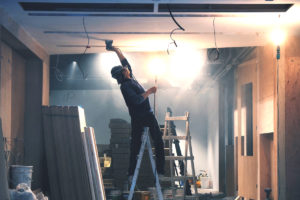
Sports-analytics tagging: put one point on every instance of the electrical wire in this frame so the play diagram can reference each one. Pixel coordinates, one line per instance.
(175, 29)
(87, 34)
(216, 47)
(174, 42)
(58, 74)
(171, 14)
(84, 76)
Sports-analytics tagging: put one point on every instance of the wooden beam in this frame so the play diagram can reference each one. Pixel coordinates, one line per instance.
(6, 90)
(46, 82)
(23, 36)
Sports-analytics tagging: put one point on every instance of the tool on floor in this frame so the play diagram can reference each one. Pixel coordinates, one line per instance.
(145, 141)
(188, 156)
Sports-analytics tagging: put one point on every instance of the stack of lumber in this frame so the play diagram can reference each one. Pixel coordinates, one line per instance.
(73, 166)
(120, 146)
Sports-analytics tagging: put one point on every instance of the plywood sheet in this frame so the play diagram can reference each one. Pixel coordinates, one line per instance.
(247, 165)
(69, 166)
(6, 89)
(18, 106)
(292, 126)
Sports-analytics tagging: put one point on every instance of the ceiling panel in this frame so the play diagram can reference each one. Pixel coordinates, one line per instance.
(145, 25)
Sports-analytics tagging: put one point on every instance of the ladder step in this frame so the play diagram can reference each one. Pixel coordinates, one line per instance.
(187, 197)
(179, 118)
(179, 157)
(175, 178)
(153, 149)
(175, 137)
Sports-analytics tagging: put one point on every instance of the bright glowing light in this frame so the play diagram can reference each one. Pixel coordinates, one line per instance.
(157, 66)
(74, 63)
(277, 36)
(185, 66)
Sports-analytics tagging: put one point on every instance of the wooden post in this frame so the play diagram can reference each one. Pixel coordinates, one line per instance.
(4, 195)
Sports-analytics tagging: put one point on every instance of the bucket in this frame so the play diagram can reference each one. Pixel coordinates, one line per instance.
(20, 174)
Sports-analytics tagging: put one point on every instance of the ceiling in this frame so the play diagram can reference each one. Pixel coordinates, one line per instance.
(148, 27)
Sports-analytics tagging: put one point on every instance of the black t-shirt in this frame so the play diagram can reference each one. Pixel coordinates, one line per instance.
(132, 92)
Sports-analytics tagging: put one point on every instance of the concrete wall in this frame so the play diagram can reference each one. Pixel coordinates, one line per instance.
(213, 135)
(33, 134)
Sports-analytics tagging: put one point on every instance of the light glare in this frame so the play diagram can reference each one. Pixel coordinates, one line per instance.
(185, 67)
(278, 36)
(157, 66)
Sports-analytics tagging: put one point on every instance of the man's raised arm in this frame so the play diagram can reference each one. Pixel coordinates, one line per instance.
(119, 53)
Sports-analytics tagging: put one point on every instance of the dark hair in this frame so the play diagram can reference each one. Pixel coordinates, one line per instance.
(116, 73)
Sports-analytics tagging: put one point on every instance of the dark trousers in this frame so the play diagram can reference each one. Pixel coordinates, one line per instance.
(137, 129)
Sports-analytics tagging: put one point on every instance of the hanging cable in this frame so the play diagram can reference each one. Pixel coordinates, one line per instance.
(58, 74)
(216, 47)
(87, 34)
(171, 14)
(174, 42)
(176, 29)
(86, 47)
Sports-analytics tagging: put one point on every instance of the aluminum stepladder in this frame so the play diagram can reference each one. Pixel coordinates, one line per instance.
(145, 141)
(188, 150)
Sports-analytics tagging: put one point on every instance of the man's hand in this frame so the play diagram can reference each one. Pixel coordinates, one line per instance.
(112, 48)
(149, 91)
(152, 90)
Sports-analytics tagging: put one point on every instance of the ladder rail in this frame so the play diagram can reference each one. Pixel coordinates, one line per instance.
(192, 162)
(157, 184)
(172, 162)
(188, 155)
(145, 141)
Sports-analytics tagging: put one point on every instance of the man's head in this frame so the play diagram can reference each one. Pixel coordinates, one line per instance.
(120, 73)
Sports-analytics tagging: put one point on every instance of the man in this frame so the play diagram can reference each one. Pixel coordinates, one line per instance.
(141, 113)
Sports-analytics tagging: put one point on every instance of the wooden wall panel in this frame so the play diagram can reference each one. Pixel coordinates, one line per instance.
(267, 166)
(18, 106)
(266, 87)
(292, 126)
(6, 91)
(266, 121)
(46, 82)
(247, 165)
